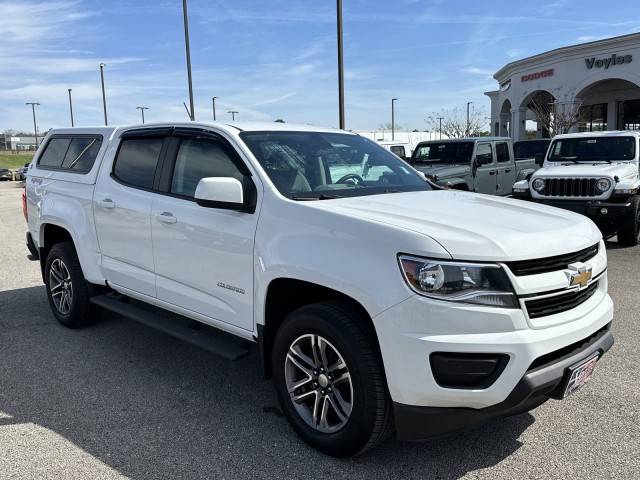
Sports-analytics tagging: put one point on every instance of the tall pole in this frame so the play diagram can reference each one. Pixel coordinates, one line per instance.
(233, 114)
(468, 121)
(70, 107)
(35, 125)
(340, 65)
(142, 109)
(188, 52)
(104, 96)
(440, 126)
(213, 102)
(393, 119)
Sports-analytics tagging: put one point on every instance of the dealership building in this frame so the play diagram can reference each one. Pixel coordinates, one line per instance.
(599, 80)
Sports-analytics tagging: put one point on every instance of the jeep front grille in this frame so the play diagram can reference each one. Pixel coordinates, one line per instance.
(570, 187)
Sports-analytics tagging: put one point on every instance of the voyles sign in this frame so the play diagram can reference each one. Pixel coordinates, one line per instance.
(607, 62)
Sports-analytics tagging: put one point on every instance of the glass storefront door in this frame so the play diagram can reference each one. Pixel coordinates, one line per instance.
(629, 115)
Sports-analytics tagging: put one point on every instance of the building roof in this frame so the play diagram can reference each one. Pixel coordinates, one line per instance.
(605, 43)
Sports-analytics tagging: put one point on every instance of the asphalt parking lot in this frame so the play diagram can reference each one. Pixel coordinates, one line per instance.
(118, 400)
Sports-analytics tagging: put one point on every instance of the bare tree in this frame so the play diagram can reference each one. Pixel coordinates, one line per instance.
(556, 117)
(454, 123)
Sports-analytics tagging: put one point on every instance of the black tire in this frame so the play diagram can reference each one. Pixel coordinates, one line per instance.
(370, 421)
(629, 231)
(80, 311)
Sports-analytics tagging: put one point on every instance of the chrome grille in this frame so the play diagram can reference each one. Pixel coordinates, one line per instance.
(570, 187)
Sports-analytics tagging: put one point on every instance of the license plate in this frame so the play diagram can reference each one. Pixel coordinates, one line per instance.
(580, 375)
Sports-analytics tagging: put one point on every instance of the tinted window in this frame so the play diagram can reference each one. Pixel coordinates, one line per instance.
(445, 152)
(198, 159)
(502, 152)
(593, 149)
(529, 149)
(398, 150)
(484, 154)
(82, 153)
(137, 160)
(54, 152)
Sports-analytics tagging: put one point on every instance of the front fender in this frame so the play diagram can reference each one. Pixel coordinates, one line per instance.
(454, 183)
(525, 173)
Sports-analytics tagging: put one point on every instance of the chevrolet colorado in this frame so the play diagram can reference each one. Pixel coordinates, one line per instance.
(376, 301)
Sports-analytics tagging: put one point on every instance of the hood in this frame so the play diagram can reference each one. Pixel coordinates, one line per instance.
(611, 170)
(471, 226)
(443, 170)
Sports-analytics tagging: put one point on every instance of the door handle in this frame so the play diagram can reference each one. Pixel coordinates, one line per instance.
(166, 217)
(492, 172)
(107, 203)
(507, 170)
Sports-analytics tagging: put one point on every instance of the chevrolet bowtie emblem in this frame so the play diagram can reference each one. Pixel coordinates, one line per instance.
(579, 274)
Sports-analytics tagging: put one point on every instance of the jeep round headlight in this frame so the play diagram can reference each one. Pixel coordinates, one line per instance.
(538, 185)
(603, 184)
(482, 284)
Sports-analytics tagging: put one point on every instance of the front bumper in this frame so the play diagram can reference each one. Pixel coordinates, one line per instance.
(594, 209)
(546, 378)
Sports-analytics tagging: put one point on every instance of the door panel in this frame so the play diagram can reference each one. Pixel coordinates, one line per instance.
(203, 256)
(123, 215)
(506, 169)
(486, 178)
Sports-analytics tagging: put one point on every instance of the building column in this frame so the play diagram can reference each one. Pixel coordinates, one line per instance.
(612, 115)
(518, 124)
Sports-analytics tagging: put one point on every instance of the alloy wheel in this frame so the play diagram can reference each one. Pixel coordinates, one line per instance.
(60, 286)
(319, 383)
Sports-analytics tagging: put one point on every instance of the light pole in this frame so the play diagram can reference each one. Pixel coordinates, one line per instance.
(213, 102)
(468, 122)
(440, 126)
(185, 15)
(393, 119)
(70, 107)
(104, 96)
(142, 109)
(35, 125)
(340, 65)
(233, 114)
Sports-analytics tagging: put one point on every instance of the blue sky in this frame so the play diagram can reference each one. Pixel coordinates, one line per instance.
(276, 58)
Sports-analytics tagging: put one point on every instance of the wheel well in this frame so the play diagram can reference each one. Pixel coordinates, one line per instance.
(460, 186)
(285, 295)
(51, 235)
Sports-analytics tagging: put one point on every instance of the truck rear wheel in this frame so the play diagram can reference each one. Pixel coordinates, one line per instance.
(67, 290)
(330, 381)
(629, 231)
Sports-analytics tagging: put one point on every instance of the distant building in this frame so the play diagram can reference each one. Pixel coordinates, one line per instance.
(22, 143)
(601, 77)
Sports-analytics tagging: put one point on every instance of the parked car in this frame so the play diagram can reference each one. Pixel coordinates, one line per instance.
(595, 174)
(483, 164)
(377, 303)
(401, 149)
(529, 149)
(21, 173)
(5, 174)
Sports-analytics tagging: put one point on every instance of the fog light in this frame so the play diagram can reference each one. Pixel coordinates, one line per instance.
(604, 211)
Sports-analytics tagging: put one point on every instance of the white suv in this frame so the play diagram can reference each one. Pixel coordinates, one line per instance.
(378, 301)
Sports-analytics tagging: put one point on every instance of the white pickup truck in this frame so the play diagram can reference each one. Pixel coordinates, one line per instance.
(378, 304)
(593, 173)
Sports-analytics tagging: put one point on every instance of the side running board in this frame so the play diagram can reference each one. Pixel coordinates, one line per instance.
(204, 336)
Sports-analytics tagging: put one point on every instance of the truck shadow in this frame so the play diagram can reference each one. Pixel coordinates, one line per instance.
(149, 406)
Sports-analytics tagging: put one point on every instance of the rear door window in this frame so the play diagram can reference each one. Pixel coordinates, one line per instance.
(136, 162)
(398, 150)
(502, 152)
(54, 153)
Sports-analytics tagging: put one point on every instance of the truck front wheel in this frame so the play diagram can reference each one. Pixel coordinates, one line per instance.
(67, 290)
(329, 380)
(629, 231)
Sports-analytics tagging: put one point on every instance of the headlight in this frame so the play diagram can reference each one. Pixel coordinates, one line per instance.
(481, 284)
(603, 184)
(538, 185)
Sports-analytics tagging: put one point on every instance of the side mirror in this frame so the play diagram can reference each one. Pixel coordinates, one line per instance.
(539, 158)
(220, 192)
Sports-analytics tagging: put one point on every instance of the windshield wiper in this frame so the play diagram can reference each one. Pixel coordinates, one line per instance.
(322, 196)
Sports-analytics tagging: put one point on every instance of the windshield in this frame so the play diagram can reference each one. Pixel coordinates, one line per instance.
(315, 165)
(445, 152)
(593, 149)
(522, 150)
